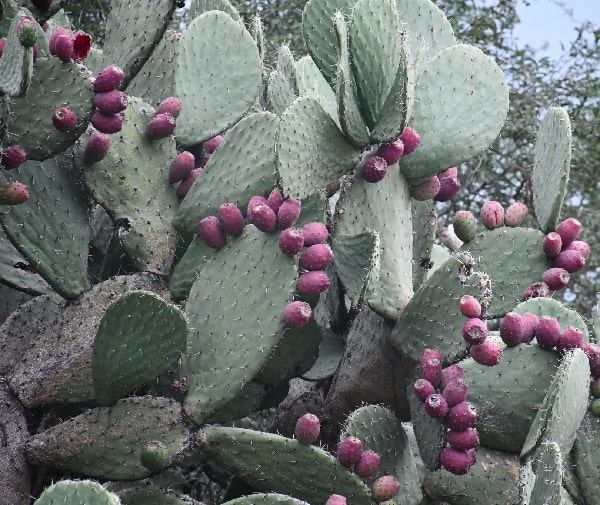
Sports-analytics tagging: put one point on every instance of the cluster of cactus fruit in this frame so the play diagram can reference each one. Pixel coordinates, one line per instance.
(195, 245)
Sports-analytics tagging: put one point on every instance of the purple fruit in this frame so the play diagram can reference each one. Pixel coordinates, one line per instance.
(107, 124)
(552, 244)
(592, 351)
(181, 167)
(288, 213)
(110, 102)
(579, 245)
(108, 78)
(512, 329)
(96, 147)
(465, 226)
(474, 331)
(410, 138)
(570, 338)
(449, 172)
(426, 354)
(492, 214)
(455, 461)
(570, 259)
(385, 488)
(536, 290)
(187, 183)
(61, 44)
(423, 388)
(349, 451)
(449, 186)
(450, 373)
(391, 152)
(160, 126)
(368, 464)
(547, 332)
(488, 353)
(210, 146)
(254, 201)
(314, 233)
(436, 405)
(556, 278)
(263, 217)
(275, 199)
(231, 218)
(312, 283)
(291, 241)
(13, 193)
(461, 416)
(308, 428)
(202, 161)
(64, 119)
(568, 230)
(316, 257)
(516, 214)
(431, 370)
(82, 43)
(426, 190)
(463, 440)
(530, 321)
(374, 169)
(211, 232)
(469, 306)
(456, 391)
(13, 156)
(336, 499)
(171, 106)
(296, 314)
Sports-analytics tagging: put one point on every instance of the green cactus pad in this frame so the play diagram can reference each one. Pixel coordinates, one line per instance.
(198, 7)
(184, 274)
(132, 32)
(380, 431)
(94, 60)
(57, 233)
(568, 392)
(586, 454)
(311, 151)
(424, 218)
(105, 442)
(356, 259)
(439, 256)
(54, 84)
(432, 318)
(242, 167)
(16, 66)
(304, 472)
(286, 64)
(72, 492)
(234, 320)
(429, 432)
(461, 101)
(551, 167)
(10, 300)
(351, 120)
(331, 351)
(266, 499)
(140, 335)
(513, 259)
(279, 92)
(247, 401)
(310, 82)
(548, 475)
(131, 183)
(214, 41)
(385, 208)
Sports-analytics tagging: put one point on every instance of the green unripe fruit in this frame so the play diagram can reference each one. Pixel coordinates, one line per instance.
(595, 388)
(27, 31)
(595, 407)
(465, 225)
(154, 456)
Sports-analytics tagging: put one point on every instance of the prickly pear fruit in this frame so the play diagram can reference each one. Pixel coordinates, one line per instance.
(449, 186)
(27, 31)
(296, 314)
(160, 126)
(2, 44)
(231, 218)
(316, 257)
(426, 190)
(492, 214)
(465, 226)
(64, 119)
(552, 244)
(254, 201)
(374, 169)
(450, 373)
(463, 440)
(82, 43)
(469, 306)
(110, 102)
(436, 405)
(13, 193)
(367, 464)
(582, 247)
(570, 338)
(336, 499)
(263, 217)
(595, 388)
(595, 408)
(431, 370)
(385, 488)
(186, 184)
(210, 146)
(455, 461)
(568, 230)
(556, 278)
(308, 428)
(536, 290)
(430, 353)
(96, 147)
(210, 231)
(181, 167)
(170, 105)
(449, 172)
(202, 161)
(13, 156)
(570, 259)
(456, 391)
(108, 78)
(154, 456)
(312, 283)
(288, 213)
(61, 44)
(530, 321)
(592, 351)
(349, 451)
(461, 416)
(275, 199)
(391, 152)
(291, 241)
(423, 388)
(107, 124)
(474, 331)
(547, 332)
(515, 214)
(488, 353)
(314, 233)
(512, 329)
(410, 138)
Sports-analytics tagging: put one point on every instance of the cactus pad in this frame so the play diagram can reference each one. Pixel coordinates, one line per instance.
(279, 92)
(184, 274)
(72, 492)
(310, 82)
(266, 499)
(16, 66)
(548, 463)
(429, 432)
(586, 453)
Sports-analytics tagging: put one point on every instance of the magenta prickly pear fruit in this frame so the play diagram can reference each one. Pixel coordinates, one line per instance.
(13, 156)
(569, 259)
(431, 370)
(349, 451)
(423, 388)
(595, 388)
(465, 226)
(488, 353)
(288, 213)
(316, 257)
(254, 201)
(187, 183)
(211, 232)
(210, 146)
(96, 147)
(450, 373)
(108, 78)
(160, 126)
(568, 230)
(426, 190)
(374, 169)
(430, 353)
(530, 321)
(570, 338)
(308, 428)
(61, 44)
(171, 106)
(492, 214)
(110, 102)
(512, 329)
(312, 283)
(231, 218)
(296, 314)
(436, 405)
(456, 462)
(13, 193)
(449, 172)
(463, 440)
(64, 119)
(336, 499)
(82, 43)
(469, 306)
(580, 246)
(547, 332)
(291, 241)
(385, 488)
(461, 416)
(552, 244)
(2, 44)
(202, 161)
(474, 331)
(263, 217)
(515, 214)
(556, 278)
(275, 199)
(449, 186)
(314, 233)
(456, 391)
(391, 152)
(410, 138)
(27, 31)
(592, 351)
(536, 290)
(368, 464)
(181, 167)
(107, 124)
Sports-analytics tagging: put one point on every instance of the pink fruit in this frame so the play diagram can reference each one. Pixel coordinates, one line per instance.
(336, 499)
(592, 351)
(263, 217)
(254, 201)
(410, 138)
(456, 391)
(431, 370)
(469, 306)
(463, 440)
(530, 322)
(465, 226)
(547, 332)
(391, 152)
(436, 405)
(2, 44)
(450, 373)
(187, 183)
(512, 329)
(456, 462)
(461, 416)
(488, 353)
(308, 428)
(64, 119)
(107, 124)
(426, 354)
(275, 199)
(296, 314)
(349, 451)
(449, 172)
(61, 44)
(109, 78)
(552, 244)
(13, 156)
(291, 241)
(312, 283)
(492, 214)
(474, 331)
(449, 186)
(556, 278)
(211, 232)
(578, 245)
(423, 388)
(570, 338)
(568, 230)
(316, 257)
(171, 106)
(368, 464)
(231, 218)
(13, 193)
(314, 233)
(516, 214)
(374, 169)
(288, 213)
(570, 259)
(82, 43)
(160, 126)
(181, 167)
(202, 161)
(210, 146)
(110, 102)
(385, 488)
(536, 290)
(96, 147)
(426, 190)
